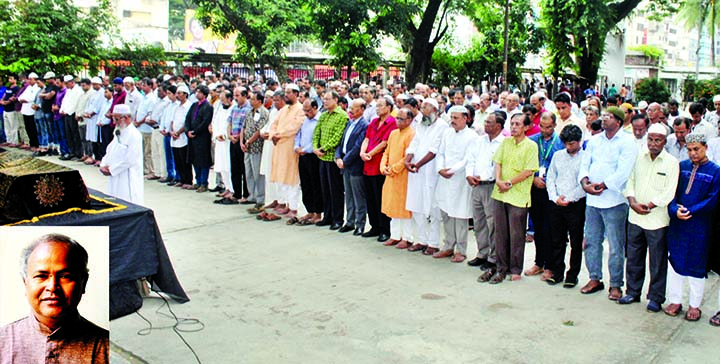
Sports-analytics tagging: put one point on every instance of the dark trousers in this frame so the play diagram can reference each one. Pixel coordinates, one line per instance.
(332, 186)
(509, 237)
(566, 220)
(106, 136)
(639, 242)
(29, 121)
(181, 164)
(539, 214)
(237, 171)
(72, 135)
(312, 193)
(373, 192)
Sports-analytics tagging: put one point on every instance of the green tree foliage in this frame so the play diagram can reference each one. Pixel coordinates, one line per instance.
(703, 88)
(49, 35)
(136, 60)
(576, 31)
(264, 28)
(349, 33)
(701, 14)
(652, 90)
(649, 51)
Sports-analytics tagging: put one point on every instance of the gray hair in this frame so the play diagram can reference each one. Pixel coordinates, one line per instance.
(74, 249)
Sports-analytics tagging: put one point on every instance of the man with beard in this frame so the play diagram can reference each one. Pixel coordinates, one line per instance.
(422, 178)
(123, 160)
(197, 121)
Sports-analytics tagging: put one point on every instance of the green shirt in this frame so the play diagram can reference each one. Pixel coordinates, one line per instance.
(515, 158)
(329, 132)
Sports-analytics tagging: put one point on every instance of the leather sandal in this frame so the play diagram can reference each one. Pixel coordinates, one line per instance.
(693, 309)
(715, 320)
(415, 247)
(673, 309)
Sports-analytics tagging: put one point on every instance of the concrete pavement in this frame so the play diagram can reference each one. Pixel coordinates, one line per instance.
(270, 293)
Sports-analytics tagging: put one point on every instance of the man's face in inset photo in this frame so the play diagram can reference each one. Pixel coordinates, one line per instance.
(55, 282)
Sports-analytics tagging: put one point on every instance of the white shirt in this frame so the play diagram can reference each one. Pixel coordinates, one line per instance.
(178, 122)
(125, 158)
(29, 96)
(145, 110)
(421, 185)
(70, 101)
(610, 161)
(168, 114)
(133, 99)
(453, 194)
(480, 158)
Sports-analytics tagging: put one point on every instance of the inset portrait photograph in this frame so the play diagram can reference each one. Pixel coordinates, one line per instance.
(54, 289)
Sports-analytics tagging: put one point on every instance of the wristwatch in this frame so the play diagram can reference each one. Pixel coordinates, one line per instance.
(510, 183)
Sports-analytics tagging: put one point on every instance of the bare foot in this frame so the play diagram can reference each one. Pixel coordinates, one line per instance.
(515, 277)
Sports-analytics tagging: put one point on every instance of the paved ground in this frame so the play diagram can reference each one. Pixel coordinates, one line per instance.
(269, 293)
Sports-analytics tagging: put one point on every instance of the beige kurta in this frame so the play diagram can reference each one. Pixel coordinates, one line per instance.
(284, 160)
(394, 190)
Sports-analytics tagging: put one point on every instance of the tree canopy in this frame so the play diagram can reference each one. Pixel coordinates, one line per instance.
(44, 35)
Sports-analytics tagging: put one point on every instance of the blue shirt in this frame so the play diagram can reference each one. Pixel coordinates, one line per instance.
(546, 149)
(304, 137)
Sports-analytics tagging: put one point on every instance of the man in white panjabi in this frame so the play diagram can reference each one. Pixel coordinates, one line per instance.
(423, 177)
(219, 128)
(453, 193)
(123, 162)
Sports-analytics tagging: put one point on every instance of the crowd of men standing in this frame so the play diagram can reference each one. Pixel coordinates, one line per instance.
(419, 162)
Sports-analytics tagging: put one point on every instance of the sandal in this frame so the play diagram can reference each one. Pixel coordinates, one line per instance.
(673, 309)
(693, 309)
(293, 220)
(485, 277)
(305, 222)
(271, 217)
(715, 320)
(262, 215)
(497, 278)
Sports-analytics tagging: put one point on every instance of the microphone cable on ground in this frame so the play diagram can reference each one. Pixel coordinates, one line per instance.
(177, 327)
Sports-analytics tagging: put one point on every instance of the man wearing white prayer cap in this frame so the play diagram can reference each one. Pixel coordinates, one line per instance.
(28, 130)
(453, 194)
(422, 178)
(67, 110)
(648, 218)
(123, 162)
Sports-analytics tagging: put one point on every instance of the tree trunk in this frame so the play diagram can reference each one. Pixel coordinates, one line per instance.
(417, 67)
(420, 47)
(712, 32)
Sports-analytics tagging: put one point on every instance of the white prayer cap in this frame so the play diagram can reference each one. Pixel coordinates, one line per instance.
(208, 73)
(642, 105)
(716, 98)
(128, 79)
(432, 102)
(695, 138)
(419, 98)
(121, 109)
(458, 108)
(657, 128)
(49, 75)
(68, 78)
(212, 86)
(402, 96)
(292, 86)
(166, 77)
(33, 75)
(96, 80)
(183, 88)
(269, 93)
